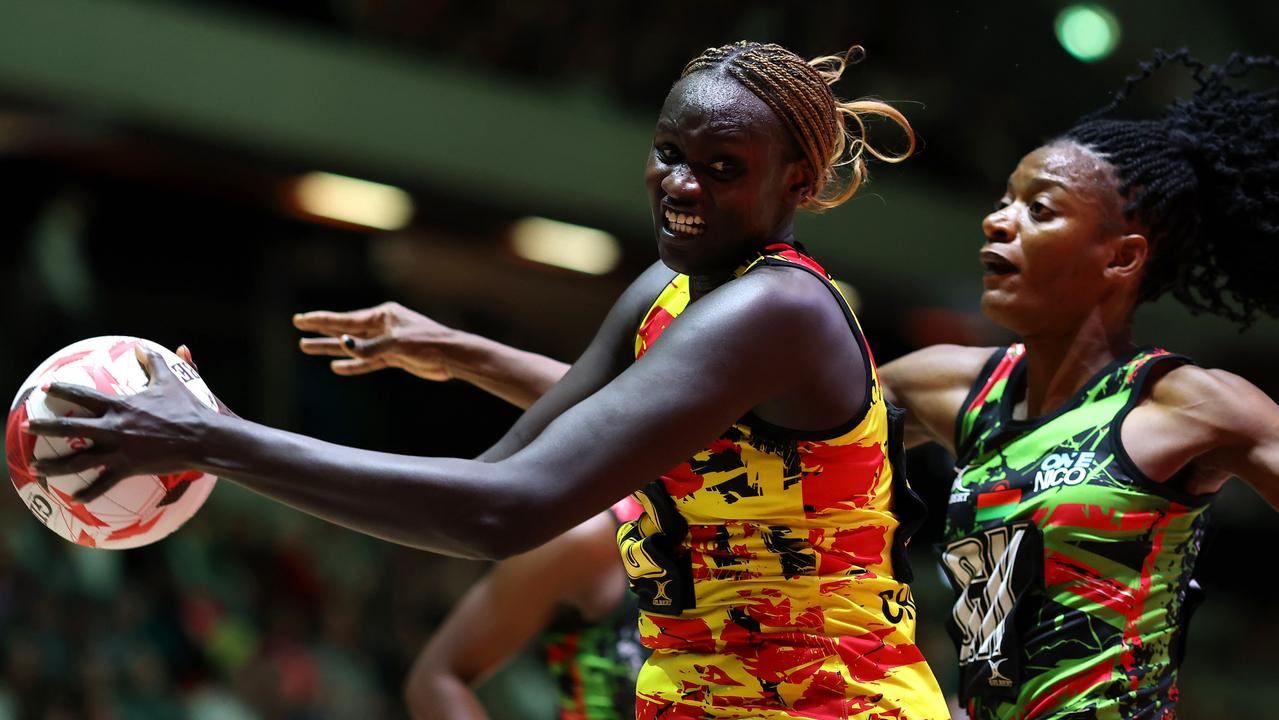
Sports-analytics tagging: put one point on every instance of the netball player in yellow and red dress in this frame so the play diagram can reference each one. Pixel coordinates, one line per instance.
(768, 566)
(765, 561)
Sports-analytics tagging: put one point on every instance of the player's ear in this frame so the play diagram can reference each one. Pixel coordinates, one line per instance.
(799, 182)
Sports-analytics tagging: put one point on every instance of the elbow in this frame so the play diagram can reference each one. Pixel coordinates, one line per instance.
(523, 507)
(502, 532)
(501, 537)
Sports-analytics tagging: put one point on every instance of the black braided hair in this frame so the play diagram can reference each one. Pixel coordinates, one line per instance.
(1204, 179)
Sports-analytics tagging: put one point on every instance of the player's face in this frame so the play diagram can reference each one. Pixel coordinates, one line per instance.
(1050, 240)
(723, 176)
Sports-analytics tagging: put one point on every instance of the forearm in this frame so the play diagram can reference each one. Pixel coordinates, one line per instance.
(516, 376)
(445, 505)
(575, 468)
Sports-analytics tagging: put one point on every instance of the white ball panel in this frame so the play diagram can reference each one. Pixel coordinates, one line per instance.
(106, 364)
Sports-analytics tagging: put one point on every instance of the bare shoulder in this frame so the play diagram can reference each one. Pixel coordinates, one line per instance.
(936, 367)
(1189, 381)
(788, 284)
(1227, 424)
(567, 564)
(1217, 398)
(775, 296)
(586, 566)
(583, 542)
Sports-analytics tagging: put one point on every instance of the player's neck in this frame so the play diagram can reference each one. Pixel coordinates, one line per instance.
(1059, 363)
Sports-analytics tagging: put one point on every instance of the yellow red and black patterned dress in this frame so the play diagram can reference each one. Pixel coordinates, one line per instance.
(764, 565)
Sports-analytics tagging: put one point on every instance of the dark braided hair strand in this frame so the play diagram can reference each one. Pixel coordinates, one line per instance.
(1204, 179)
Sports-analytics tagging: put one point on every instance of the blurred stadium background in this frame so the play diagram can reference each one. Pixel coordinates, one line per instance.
(195, 171)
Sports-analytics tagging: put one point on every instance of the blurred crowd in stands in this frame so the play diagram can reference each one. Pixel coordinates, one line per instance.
(248, 612)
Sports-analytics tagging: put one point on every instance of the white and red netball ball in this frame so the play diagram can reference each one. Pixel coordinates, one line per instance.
(136, 511)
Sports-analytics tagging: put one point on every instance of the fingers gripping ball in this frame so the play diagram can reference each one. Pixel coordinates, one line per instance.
(136, 511)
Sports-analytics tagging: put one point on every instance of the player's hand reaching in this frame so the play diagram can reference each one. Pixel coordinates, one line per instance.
(153, 432)
(386, 336)
(391, 335)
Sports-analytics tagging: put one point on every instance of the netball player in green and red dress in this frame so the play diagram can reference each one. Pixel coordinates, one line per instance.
(568, 598)
(768, 560)
(1085, 463)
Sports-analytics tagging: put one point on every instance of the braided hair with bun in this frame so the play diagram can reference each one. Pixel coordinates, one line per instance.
(1204, 180)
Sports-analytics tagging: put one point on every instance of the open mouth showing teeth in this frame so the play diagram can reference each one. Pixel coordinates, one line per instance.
(684, 224)
(996, 264)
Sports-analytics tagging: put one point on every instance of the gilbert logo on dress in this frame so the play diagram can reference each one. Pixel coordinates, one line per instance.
(1063, 468)
(997, 679)
(661, 598)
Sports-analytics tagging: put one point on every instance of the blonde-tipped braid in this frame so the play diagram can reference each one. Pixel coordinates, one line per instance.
(830, 133)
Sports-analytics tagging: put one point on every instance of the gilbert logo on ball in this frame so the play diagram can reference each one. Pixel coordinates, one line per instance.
(138, 510)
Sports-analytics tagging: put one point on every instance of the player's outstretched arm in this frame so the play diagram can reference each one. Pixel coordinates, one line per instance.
(392, 336)
(506, 609)
(1256, 460)
(705, 374)
(931, 384)
(541, 385)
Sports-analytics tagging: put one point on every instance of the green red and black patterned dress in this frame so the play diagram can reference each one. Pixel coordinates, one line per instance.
(594, 664)
(1072, 568)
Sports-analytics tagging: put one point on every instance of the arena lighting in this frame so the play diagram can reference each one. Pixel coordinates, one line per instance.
(1087, 32)
(550, 242)
(349, 200)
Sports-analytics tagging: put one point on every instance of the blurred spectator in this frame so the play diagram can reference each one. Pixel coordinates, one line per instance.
(240, 615)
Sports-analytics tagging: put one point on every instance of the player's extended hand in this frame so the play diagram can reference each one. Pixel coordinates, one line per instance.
(156, 431)
(388, 335)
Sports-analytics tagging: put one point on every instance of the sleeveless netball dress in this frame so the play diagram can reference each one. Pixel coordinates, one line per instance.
(1072, 568)
(594, 664)
(770, 568)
